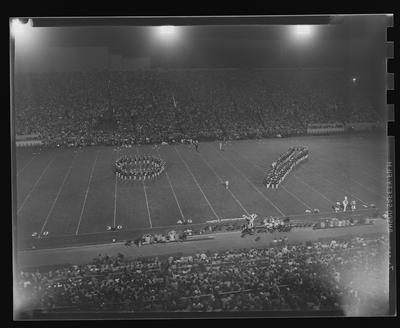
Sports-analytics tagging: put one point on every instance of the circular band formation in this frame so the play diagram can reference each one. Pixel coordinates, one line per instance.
(139, 167)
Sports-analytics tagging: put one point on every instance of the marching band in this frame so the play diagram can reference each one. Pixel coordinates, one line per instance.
(139, 168)
(284, 165)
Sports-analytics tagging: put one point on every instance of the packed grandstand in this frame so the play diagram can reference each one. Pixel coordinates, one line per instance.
(349, 276)
(107, 107)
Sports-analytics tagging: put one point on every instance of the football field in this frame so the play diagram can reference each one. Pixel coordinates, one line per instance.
(73, 192)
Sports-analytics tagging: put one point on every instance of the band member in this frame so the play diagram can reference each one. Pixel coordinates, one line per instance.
(337, 207)
(345, 203)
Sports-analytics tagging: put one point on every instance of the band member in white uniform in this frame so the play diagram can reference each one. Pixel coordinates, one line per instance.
(345, 203)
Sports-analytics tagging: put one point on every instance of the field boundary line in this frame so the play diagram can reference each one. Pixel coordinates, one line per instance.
(86, 193)
(195, 180)
(230, 191)
(58, 194)
(36, 183)
(320, 216)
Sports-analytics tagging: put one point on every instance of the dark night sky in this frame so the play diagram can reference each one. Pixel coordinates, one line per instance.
(355, 43)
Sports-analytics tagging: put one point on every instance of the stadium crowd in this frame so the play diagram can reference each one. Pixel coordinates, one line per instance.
(323, 275)
(116, 108)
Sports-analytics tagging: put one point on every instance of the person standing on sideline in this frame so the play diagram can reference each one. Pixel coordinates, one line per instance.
(345, 203)
(220, 146)
(196, 145)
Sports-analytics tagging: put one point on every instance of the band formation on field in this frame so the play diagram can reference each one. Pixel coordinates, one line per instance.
(139, 167)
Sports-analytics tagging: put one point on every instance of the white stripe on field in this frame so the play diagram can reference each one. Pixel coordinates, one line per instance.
(293, 195)
(145, 195)
(115, 198)
(339, 166)
(334, 185)
(173, 192)
(234, 197)
(263, 171)
(86, 193)
(58, 195)
(194, 178)
(20, 171)
(36, 183)
(254, 186)
(322, 195)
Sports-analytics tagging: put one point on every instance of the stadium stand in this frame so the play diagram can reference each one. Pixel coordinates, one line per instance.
(322, 275)
(70, 109)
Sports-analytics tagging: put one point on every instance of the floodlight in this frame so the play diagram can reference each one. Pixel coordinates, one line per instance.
(303, 29)
(19, 28)
(167, 30)
(167, 34)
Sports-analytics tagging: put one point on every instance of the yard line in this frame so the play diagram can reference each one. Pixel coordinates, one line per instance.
(234, 197)
(194, 178)
(115, 196)
(145, 195)
(58, 195)
(366, 188)
(36, 183)
(293, 195)
(20, 171)
(115, 199)
(86, 193)
(363, 186)
(322, 195)
(262, 170)
(173, 191)
(338, 164)
(254, 186)
(334, 185)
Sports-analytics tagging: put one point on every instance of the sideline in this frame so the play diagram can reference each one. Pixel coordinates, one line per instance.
(220, 242)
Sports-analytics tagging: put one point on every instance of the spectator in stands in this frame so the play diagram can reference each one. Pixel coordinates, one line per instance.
(315, 276)
(123, 108)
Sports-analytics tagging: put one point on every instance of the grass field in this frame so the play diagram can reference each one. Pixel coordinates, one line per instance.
(73, 192)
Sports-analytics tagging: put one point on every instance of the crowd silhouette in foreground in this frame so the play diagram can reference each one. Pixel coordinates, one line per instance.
(329, 275)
